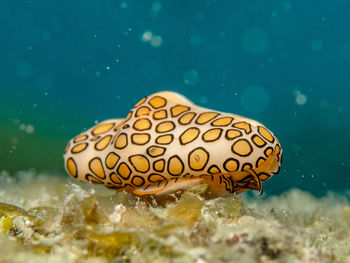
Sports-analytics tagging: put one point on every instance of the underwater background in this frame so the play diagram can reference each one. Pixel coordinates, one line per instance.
(66, 65)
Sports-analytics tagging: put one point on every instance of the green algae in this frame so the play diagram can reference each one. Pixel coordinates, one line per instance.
(42, 221)
(187, 210)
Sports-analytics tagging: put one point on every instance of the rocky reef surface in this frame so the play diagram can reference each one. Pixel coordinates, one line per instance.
(49, 218)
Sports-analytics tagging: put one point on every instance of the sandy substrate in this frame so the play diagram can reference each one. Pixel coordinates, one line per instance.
(49, 218)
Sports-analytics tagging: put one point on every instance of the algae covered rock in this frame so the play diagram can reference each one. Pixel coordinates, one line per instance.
(15, 220)
(224, 207)
(91, 224)
(187, 210)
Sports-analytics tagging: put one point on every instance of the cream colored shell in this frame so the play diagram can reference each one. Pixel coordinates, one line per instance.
(166, 142)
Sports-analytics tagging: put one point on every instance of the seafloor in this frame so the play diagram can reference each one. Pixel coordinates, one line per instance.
(47, 218)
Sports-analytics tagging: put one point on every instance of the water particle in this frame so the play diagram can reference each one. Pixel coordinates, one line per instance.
(324, 104)
(108, 68)
(334, 121)
(123, 4)
(196, 40)
(255, 41)
(255, 99)
(14, 140)
(156, 41)
(317, 45)
(24, 70)
(296, 147)
(116, 215)
(199, 16)
(46, 36)
(157, 7)
(44, 82)
(300, 98)
(150, 70)
(203, 100)
(146, 36)
(191, 77)
(29, 129)
(287, 5)
(344, 51)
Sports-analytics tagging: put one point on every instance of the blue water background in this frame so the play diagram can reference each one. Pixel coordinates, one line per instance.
(66, 64)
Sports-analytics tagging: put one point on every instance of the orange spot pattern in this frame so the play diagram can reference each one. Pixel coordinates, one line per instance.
(166, 137)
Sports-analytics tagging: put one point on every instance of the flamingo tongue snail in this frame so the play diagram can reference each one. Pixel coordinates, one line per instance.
(167, 143)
